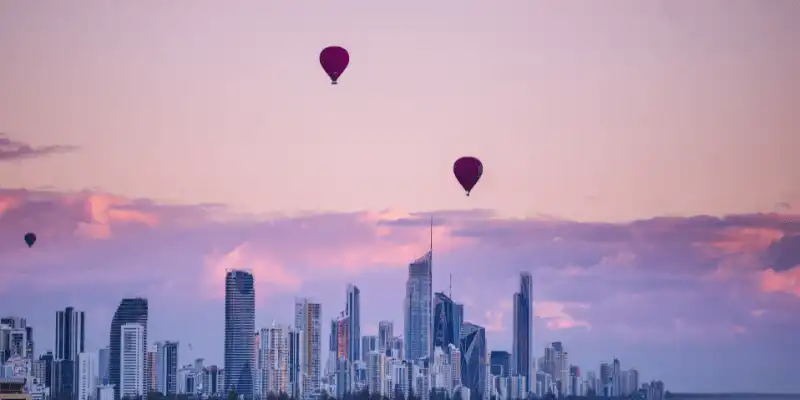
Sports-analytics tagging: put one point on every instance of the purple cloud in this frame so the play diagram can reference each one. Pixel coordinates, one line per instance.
(646, 291)
(14, 150)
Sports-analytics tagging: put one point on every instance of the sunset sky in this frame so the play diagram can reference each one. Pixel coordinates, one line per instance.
(636, 153)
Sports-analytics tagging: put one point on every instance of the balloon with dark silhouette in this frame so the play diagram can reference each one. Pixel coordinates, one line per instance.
(334, 61)
(30, 239)
(468, 170)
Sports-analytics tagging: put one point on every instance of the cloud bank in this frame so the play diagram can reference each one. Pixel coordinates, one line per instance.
(649, 291)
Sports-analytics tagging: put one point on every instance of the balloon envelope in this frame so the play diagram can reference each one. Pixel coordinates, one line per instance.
(468, 170)
(334, 61)
(30, 239)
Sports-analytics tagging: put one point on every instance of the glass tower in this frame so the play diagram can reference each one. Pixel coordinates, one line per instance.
(473, 359)
(129, 311)
(417, 308)
(240, 325)
(522, 345)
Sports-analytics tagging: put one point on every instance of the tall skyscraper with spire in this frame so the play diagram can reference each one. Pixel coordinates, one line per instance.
(418, 305)
(522, 345)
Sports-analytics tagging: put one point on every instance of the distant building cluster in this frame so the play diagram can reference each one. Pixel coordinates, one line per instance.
(438, 354)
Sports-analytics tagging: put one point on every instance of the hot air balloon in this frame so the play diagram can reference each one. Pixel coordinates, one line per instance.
(468, 170)
(334, 61)
(30, 239)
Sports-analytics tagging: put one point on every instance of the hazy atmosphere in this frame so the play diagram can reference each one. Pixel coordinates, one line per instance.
(640, 161)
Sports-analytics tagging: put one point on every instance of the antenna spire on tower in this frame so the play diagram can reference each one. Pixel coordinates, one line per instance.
(431, 234)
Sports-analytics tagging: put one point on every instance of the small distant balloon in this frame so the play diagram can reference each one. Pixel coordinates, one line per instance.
(30, 239)
(334, 61)
(468, 170)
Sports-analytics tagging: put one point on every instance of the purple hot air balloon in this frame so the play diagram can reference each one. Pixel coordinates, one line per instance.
(468, 171)
(334, 61)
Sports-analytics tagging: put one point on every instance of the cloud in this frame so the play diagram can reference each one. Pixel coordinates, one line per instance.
(646, 285)
(556, 317)
(14, 150)
(787, 281)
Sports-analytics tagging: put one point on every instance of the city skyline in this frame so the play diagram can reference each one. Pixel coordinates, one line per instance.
(155, 367)
(639, 164)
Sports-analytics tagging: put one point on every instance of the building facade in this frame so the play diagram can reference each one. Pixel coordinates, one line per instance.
(417, 308)
(308, 323)
(129, 311)
(240, 321)
(131, 366)
(523, 362)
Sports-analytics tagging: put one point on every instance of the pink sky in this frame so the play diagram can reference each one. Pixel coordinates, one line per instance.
(589, 110)
(120, 120)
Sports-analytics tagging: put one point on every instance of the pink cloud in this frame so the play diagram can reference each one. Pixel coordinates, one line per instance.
(781, 281)
(270, 275)
(597, 276)
(556, 316)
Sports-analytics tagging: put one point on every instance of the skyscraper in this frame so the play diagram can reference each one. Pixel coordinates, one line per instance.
(133, 311)
(103, 362)
(132, 350)
(273, 355)
(458, 319)
(385, 335)
(444, 330)
(70, 337)
(354, 314)
(167, 368)
(522, 345)
(86, 383)
(474, 365)
(417, 308)
(240, 325)
(70, 341)
(293, 364)
(500, 363)
(308, 323)
(369, 343)
(151, 368)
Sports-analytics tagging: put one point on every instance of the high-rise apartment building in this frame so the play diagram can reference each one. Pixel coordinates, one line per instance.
(86, 379)
(524, 361)
(293, 363)
(273, 360)
(70, 336)
(417, 308)
(240, 321)
(129, 311)
(354, 321)
(70, 341)
(376, 373)
(166, 368)
(103, 359)
(151, 368)
(500, 363)
(369, 343)
(131, 365)
(342, 337)
(385, 335)
(308, 323)
(22, 343)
